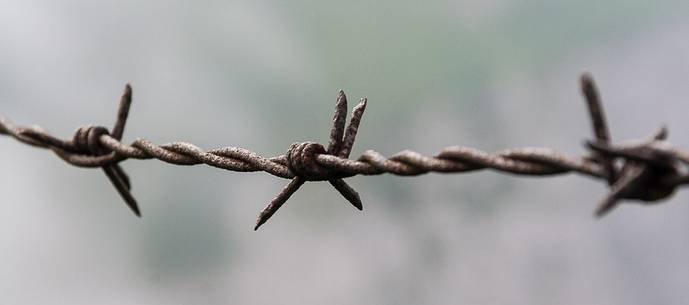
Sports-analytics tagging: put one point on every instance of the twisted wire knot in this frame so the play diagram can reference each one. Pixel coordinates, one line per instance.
(653, 178)
(649, 170)
(653, 186)
(86, 140)
(660, 166)
(301, 160)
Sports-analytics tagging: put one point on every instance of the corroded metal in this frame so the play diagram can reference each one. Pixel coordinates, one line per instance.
(648, 170)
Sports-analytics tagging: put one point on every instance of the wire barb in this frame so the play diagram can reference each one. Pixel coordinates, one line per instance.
(599, 123)
(648, 170)
(302, 162)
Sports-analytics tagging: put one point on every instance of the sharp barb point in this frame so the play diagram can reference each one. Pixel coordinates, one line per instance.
(586, 78)
(136, 210)
(611, 201)
(661, 133)
(278, 201)
(121, 186)
(347, 192)
(605, 208)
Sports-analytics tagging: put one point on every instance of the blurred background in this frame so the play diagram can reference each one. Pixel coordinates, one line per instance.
(264, 74)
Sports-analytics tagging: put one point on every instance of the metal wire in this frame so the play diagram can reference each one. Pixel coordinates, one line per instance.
(647, 170)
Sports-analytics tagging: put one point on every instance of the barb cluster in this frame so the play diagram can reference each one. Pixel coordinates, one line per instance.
(646, 170)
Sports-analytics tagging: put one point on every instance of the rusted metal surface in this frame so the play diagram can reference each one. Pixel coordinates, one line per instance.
(647, 170)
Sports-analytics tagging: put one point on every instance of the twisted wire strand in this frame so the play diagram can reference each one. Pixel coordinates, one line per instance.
(646, 170)
(535, 161)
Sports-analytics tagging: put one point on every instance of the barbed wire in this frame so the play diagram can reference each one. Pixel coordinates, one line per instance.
(647, 170)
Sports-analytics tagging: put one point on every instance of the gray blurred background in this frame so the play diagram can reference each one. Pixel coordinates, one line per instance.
(261, 75)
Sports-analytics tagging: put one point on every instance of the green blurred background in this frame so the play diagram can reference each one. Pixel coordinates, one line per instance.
(264, 74)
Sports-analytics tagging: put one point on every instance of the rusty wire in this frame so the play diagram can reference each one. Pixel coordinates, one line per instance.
(646, 170)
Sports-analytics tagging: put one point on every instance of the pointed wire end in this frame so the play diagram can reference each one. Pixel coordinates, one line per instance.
(341, 106)
(268, 212)
(586, 81)
(131, 202)
(620, 187)
(353, 197)
(588, 88)
(135, 208)
(127, 95)
(357, 203)
(4, 125)
(341, 98)
(121, 182)
(359, 109)
(337, 130)
(279, 200)
(261, 220)
(125, 100)
(355, 200)
(122, 113)
(265, 215)
(607, 204)
(347, 192)
(605, 208)
(661, 133)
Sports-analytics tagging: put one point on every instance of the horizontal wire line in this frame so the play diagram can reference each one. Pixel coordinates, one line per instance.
(648, 170)
(533, 161)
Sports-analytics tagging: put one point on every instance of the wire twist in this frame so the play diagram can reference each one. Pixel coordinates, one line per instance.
(647, 170)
